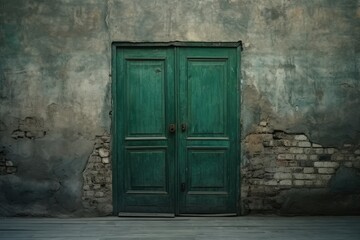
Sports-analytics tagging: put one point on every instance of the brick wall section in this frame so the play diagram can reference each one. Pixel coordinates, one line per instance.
(277, 161)
(6, 166)
(97, 176)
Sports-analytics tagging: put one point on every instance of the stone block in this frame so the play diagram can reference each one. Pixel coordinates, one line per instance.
(314, 157)
(309, 183)
(301, 157)
(283, 169)
(103, 152)
(299, 182)
(357, 152)
(105, 160)
(314, 145)
(263, 123)
(285, 182)
(326, 164)
(326, 170)
(319, 150)
(339, 158)
(286, 156)
(304, 176)
(297, 169)
(304, 144)
(309, 170)
(271, 183)
(301, 137)
(9, 163)
(324, 177)
(99, 194)
(296, 150)
(280, 175)
(330, 150)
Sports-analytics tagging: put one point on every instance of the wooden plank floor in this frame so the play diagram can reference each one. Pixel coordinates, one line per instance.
(185, 228)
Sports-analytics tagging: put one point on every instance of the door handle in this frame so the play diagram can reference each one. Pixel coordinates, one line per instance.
(183, 187)
(183, 127)
(172, 128)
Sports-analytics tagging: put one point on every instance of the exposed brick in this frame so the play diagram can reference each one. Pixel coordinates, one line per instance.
(286, 156)
(301, 157)
(306, 163)
(339, 158)
(105, 160)
(300, 137)
(9, 163)
(326, 170)
(319, 151)
(296, 150)
(326, 164)
(299, 182)
(283, 169)
(324, 177)
(271, 183)
(304, 176)
(309, 170)
(330, 150)
(103, 152)
(280, 175)
(314, 157)
(297, 169)
(304, 144)
(309, 183)
(314, 145)
(285, 182)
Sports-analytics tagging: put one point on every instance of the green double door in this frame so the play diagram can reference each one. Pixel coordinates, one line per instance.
(176, 126)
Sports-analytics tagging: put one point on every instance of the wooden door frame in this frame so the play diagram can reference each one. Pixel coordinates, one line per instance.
(115, 78)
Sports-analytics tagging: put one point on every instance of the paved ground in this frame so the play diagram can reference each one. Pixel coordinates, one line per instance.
(247, 228)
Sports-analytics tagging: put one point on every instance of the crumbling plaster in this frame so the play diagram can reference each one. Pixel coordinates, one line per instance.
(299, 73)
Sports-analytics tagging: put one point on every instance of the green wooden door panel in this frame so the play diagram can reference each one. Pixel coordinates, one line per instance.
(206, 87)
(145, 85)
(146, 150)
(207, 161)
(195, 169)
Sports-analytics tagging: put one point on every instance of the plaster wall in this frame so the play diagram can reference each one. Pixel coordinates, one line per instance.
(300, 74)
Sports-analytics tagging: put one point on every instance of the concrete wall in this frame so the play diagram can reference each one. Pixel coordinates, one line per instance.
(300, 74)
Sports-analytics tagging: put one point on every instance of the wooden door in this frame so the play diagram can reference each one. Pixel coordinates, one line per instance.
(176, 127)
(208, 140)
(146, 149)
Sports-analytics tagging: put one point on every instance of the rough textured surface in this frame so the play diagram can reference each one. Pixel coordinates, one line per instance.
(300, 74)
(288, 174)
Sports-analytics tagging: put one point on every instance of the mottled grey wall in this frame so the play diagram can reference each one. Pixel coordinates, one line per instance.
(300, 73)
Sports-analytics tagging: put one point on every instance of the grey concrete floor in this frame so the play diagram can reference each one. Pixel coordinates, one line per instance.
(248, 227)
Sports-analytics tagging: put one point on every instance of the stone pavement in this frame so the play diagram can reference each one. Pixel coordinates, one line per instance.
(187, 228)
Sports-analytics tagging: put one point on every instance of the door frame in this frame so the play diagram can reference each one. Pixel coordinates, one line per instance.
(115, 115)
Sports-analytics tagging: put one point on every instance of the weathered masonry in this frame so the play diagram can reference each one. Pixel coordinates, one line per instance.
(91, 126)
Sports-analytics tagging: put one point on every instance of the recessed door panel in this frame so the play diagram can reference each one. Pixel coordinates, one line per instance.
(145, 85)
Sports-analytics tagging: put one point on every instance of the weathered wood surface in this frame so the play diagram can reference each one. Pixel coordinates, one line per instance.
(254, 227)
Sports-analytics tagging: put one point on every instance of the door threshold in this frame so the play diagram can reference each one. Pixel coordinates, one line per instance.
(150, 215)
(208, 215)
